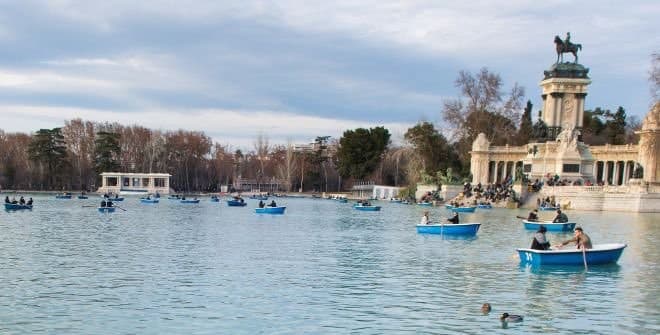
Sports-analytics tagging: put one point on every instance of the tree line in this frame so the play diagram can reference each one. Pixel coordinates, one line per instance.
(73, 156)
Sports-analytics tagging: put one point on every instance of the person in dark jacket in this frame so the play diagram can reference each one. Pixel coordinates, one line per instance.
(533, 215)
(561, 217)
(540, 242)
(454, 219)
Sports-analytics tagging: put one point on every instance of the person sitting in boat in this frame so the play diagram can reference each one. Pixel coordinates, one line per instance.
(109, 203)
(7, 200)
(540, 242)
(581, 240)
(13, 200)
(560, 218)
(29, 202)
(148, 197)
(261, 204)
(157, 195)
(183, 197)
(21, 201)
(425, 218)
(533, 215)
(273, 204)
(454, 219)
(103, 203)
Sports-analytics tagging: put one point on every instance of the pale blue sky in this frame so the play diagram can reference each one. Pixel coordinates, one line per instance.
(300, 69)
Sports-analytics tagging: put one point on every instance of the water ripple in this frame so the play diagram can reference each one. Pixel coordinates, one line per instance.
(321, 268)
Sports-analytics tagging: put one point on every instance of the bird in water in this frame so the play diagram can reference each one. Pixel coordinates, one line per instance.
(485, 308)
(506, 317)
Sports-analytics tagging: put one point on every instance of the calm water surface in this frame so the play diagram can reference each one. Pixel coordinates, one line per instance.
(322, 268)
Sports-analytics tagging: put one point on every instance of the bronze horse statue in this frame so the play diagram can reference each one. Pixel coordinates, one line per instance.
(566, 47)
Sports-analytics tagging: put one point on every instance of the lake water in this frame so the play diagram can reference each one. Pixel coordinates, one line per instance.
(322, 268)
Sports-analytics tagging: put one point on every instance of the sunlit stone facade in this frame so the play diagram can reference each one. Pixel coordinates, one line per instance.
(620, 177)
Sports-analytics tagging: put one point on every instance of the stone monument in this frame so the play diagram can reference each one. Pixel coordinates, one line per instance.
(591, 177)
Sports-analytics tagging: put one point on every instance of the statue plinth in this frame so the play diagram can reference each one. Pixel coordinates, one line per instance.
(567, 70)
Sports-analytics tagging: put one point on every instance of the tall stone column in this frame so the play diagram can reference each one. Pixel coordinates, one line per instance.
(479, 161)
(649, 145)
(580, 98)
(596, 171)
(615, 173)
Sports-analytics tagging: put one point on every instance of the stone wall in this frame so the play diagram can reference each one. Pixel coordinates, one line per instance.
(631, 198)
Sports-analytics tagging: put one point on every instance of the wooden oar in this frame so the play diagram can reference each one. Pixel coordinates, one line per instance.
(89, 206)
(119, 207)
(584, 253)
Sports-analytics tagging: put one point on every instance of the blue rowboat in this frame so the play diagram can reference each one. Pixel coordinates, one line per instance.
(396, 201)
(117, 199)
(548, 208)
(449, 229)
(259, 197)
(270, 210)
(448, 206)
(599, 254)
(63, 196)
(191, 201)
(425, 204)
(106, 209)
(216, 199)
(464, 209)
(367, 208)
(549, 225)
(83, 197)
(342, 200)
(149, 201)
(485, 206)
(236, 203)
(15, 207)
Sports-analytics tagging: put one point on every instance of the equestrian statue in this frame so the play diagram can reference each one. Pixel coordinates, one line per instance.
(566, 46)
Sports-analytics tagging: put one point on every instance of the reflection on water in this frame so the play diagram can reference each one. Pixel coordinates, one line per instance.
(563, 270)
(323, 267)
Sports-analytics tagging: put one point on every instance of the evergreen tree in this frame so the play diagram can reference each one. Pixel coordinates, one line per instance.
(431, 147)
(106, 152)
(615, 127)
(361, 150)
(48, 148)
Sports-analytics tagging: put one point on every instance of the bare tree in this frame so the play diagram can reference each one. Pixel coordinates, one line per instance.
(286, 168)
(481, 109)
(261, 148)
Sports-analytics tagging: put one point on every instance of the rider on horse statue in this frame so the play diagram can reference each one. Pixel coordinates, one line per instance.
(566, 46)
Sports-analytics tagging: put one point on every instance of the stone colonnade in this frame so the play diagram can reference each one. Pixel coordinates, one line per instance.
(613, 172)
(499, 171)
